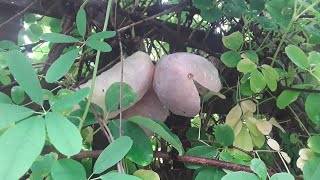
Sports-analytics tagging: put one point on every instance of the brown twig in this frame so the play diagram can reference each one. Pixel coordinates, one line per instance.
(175, 8)
(184, 158)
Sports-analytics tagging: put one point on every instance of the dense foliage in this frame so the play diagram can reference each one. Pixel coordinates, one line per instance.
(264, 123)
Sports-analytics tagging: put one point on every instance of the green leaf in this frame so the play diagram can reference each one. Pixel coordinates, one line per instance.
(297, 56)
(257, 81)
(257, 5)
(203, 4)
(159, 128)
(270, 80)
(118, 176)
(314, 143)
(112, 97)
(5, 80)
(311, 169)
(58, 38)
(61, 66)
(224, 135)
(36, 30)
(63, 135)
(112, 154)
(4, 99)
(68, 169)
(312, 105)
(271, 70)
(314, 58)
(282, 176)
(231, 58)
(81, 21)
(98, 45)
(12, 113)
(246, 65)
(146, 174)
(259, 168)
(17, 94)
(209, 173)
(23, 72)
(281, 11)
(240, 175)
(193, 133)
(252, 55)
(233, 41)
(68, 101)
(20, 146)
(42, 166)
(211, 14)
(141, 150)
(201, 151)
(102, 35)
(286, 97)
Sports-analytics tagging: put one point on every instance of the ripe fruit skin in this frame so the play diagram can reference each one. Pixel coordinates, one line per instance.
(138, 72)
(174, 81)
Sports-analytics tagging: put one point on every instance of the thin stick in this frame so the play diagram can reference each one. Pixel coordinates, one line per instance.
(19, 14)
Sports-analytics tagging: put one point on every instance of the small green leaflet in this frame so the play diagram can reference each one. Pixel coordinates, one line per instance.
(233, 41)
(64, 135)
(231, 58)
(102, 35)
(98, 45)
(141, 151)
(270, 80)
(4, 99)
(58, 38)
(224, 135)
(23, 72)
(112, 97)
(12, 113)
(81, 21)
(112, 154)
(314, 143)
(201, 151)
(146, 174)
(20, 146)
(286, 97)
(312, 105)
(282, 176)
(297, 56)
(68, 101)
(161, 129)
(259, 168)
(17, 94)
(61, 66)
(257, 81)
(240, 175)
(68, 169)
(246, 65)
(118, 176)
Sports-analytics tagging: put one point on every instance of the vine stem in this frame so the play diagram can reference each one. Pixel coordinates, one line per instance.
(95, 70)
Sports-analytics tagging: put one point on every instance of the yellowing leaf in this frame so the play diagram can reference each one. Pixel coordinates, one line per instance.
(273, 144)
(285, 157)
(243, 140)
(264, 126)
(305, 153)
(258, 140)
(234, 116)
(249, 105)
(300, 163)
(238, 128)
(274, 122)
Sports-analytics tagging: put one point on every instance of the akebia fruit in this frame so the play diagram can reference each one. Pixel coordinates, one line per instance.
(149, 106)
(174, 81)
(138, 71)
